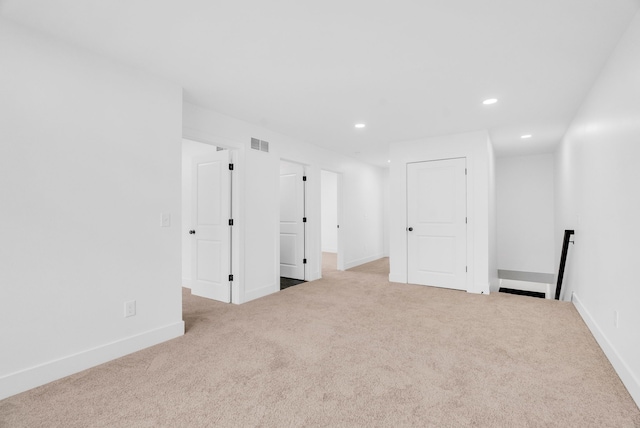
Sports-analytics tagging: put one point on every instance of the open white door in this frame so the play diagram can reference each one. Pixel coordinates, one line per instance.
(436, 223)
(210, 235)
(292, 239)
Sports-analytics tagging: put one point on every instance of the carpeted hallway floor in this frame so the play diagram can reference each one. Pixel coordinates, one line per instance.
(351, 349)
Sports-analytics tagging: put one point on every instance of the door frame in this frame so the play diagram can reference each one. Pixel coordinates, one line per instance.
(236, 157)
(226, 230)
(476, 147)
(305, 214)
(466, 198)
(313, 211)
(339, 214)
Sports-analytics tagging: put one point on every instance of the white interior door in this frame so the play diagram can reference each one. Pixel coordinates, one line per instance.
(291, 220)
(436, 223)
(210, 235)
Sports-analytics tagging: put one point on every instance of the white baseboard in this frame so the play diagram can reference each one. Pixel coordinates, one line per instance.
(402, 279)
(629, 380)
(483, 288)
(394, 277)
(186, 283)
(354, 263)
(314, 276)
(260, 292)
(32, 377)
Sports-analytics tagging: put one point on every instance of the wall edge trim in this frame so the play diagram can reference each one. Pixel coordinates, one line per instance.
(627, 377)
(260, 292)
(32, 377)
(402, 279)
(358, 262)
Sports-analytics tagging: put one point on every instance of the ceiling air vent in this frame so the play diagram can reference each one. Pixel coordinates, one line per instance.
(260, 145)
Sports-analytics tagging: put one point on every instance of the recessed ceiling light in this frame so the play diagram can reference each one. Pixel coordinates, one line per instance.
(389, 161)
(490, 101)
(524, 137)
(360, 125)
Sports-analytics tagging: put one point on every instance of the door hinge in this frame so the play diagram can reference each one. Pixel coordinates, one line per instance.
(230, 277)
(304, 219)
(230, 167)
(465, 220)
(304, 261)
(304, 178)
(465, 171)
(466, 268)
(230, 222)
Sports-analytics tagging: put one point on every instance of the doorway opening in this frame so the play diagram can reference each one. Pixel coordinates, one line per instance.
(293, 224)
(206, 220)
(329, 223)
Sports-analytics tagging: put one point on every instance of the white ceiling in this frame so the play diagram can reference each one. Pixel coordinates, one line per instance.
(407, 68)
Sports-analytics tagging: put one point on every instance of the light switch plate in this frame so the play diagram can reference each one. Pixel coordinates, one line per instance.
(129, 308)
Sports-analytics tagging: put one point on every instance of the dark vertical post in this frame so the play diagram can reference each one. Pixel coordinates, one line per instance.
(563, 260)
(304, 224)
(230, 231)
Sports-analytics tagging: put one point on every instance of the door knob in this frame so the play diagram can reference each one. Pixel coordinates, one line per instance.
(192, 232)
(410, 229)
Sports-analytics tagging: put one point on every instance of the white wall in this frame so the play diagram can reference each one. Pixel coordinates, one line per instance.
(476, 148)
(597, 195)
(361, 225)
(525, 193)
(190, 149)
(89, 159)
(261, 221)
(494, 282)
(386, 195)
(329, 212)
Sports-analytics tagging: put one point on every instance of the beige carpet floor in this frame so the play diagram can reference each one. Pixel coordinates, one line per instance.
(351, 349)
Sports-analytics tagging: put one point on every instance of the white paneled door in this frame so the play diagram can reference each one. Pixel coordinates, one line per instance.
(291, 220)
(436, 223)
(210, 234)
